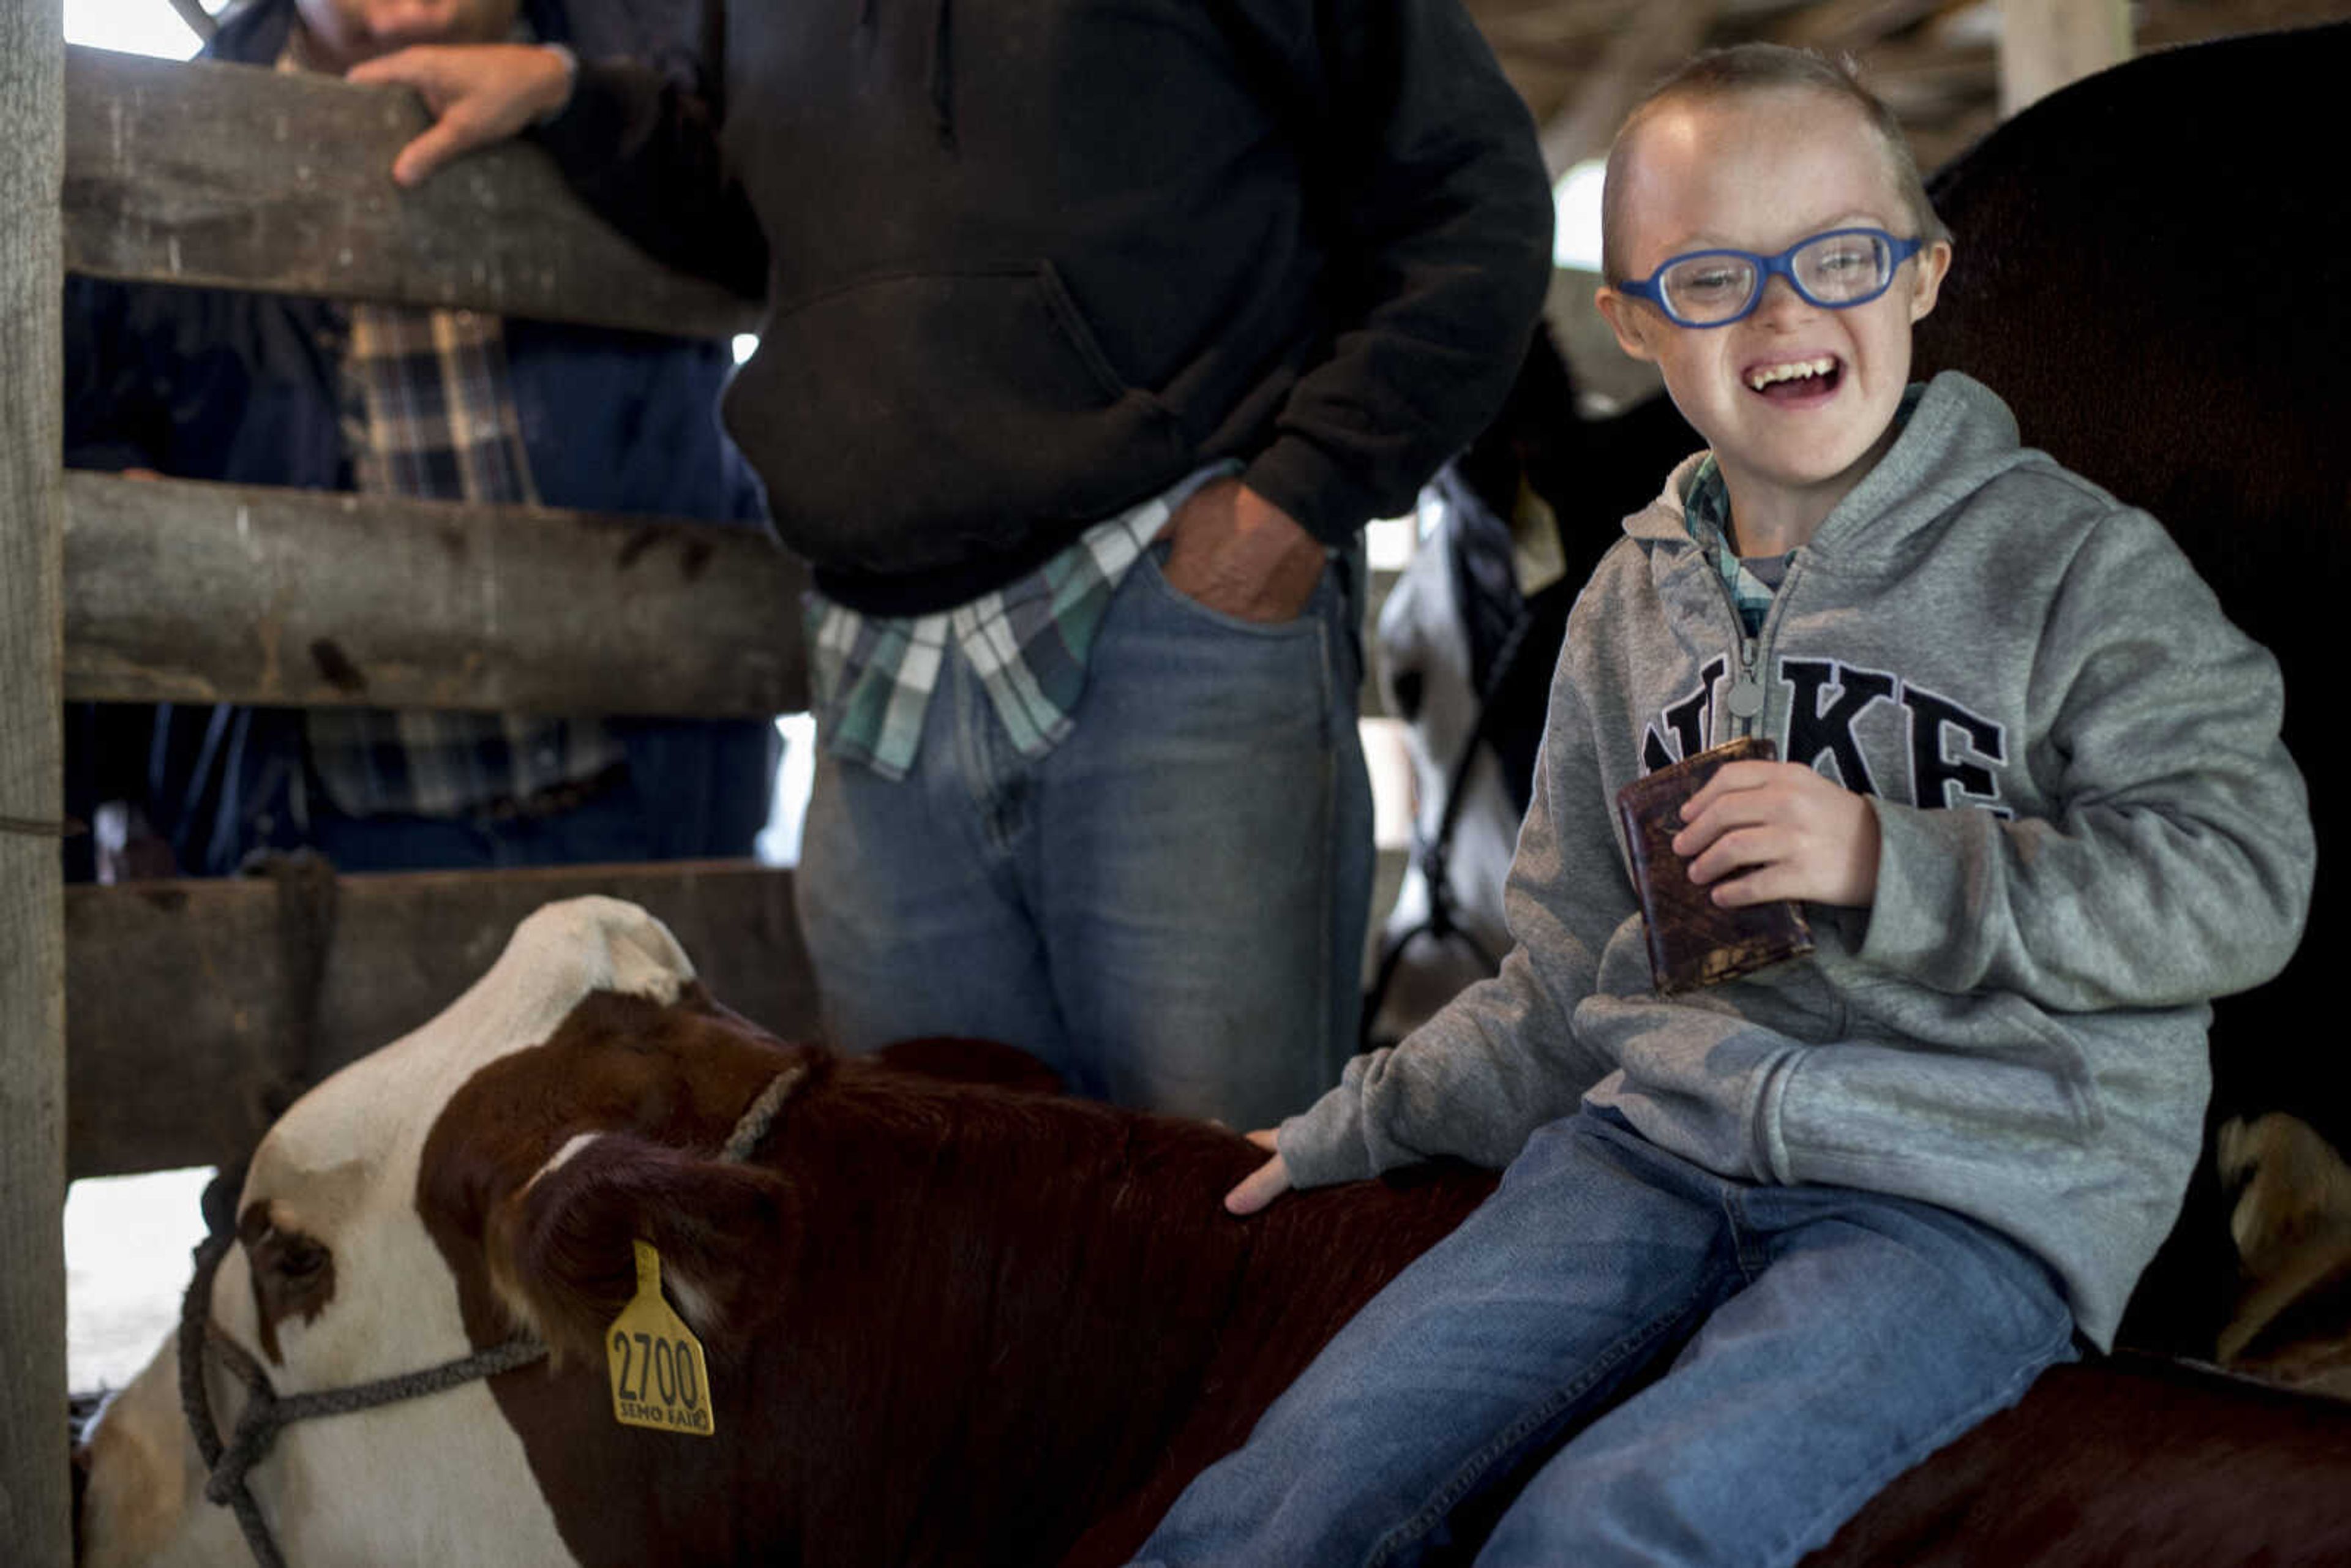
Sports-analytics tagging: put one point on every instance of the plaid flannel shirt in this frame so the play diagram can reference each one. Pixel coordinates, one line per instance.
(1706, 511)
(873, 675)
(428, 412)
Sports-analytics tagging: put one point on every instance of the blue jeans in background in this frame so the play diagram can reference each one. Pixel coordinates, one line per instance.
(1740, 1368)
(1169, 907)
(691, 790)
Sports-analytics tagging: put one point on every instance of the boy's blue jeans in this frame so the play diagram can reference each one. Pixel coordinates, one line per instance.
(1169, 907)
(1839, 1337)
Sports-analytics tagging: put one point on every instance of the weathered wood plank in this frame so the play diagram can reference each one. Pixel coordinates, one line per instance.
(184, 591)
(245, 178)
(182, 1022)
(34, 1498)
(1651, 37)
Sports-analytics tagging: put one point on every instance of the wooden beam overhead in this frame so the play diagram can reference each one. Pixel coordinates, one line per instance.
(184, 591)
(35, 1497)
(190, 1026)
(1927, 84)
(245, 178)
(1590, 27)
(1651, 37)
(1840, 24)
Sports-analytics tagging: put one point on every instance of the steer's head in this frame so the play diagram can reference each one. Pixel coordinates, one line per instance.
(338, 1279)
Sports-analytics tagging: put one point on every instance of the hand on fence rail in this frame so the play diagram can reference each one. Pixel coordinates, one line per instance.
(477, 94)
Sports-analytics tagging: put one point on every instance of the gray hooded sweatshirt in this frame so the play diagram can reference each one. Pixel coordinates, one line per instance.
(2089, 828)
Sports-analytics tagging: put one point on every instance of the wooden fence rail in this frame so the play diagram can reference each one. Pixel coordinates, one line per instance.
(182, 592)
(196, 1004)
(247, 177)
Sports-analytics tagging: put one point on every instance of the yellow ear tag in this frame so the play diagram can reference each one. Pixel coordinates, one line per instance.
(659, 1378)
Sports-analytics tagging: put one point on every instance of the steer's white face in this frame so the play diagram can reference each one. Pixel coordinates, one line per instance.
(349, 1287)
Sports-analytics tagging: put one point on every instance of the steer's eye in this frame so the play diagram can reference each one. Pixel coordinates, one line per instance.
(293, 1271)
(298, 1257)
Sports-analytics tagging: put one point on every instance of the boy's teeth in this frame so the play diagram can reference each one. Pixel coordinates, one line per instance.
(1759, 380)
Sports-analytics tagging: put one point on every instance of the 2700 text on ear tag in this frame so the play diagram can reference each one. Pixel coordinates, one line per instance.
(660, 1379)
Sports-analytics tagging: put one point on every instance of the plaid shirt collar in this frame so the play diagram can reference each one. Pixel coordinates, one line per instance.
(1706, 512)
(1028, 642)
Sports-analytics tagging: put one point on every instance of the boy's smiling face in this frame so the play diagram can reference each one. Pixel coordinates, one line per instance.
(1796, 401)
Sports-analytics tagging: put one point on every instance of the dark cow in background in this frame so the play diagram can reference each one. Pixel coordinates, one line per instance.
(967, 1322)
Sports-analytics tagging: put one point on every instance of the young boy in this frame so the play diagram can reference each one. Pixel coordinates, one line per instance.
(1761, 1247)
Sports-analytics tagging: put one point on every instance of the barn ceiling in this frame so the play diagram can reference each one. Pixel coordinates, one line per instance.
(1581, 63)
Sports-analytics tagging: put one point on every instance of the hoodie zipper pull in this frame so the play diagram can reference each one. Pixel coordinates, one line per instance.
(1746, 701)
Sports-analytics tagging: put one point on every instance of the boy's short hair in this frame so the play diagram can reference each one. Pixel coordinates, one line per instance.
(1761, 67)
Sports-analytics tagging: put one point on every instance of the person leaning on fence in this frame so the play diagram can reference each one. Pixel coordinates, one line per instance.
(1095, 334)
(1760, 1246)
(436, 404)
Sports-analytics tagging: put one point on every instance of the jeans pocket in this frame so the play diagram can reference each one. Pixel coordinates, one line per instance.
(1152, 568)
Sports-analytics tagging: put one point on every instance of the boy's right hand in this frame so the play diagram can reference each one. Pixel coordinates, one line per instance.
(1263, 1185)
(478, 93)
(1764, 831)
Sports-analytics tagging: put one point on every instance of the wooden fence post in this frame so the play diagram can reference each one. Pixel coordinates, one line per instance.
(35, 1525)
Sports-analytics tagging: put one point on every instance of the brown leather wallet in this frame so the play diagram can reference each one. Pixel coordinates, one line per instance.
(1693, 941)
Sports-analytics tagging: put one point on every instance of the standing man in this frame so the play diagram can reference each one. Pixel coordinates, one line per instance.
(258, 389)
(1096, 331)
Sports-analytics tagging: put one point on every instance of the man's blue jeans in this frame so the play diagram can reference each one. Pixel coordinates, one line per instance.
(1788, 1350)
(1169, 907)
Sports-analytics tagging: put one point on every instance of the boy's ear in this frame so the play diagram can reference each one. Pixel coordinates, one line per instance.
(1934, 264)
(1630, 326)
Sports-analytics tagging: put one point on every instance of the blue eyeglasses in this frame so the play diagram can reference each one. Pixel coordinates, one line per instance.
(1836, 271)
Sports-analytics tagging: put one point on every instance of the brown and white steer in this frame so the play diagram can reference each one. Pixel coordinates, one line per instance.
(946, 1323)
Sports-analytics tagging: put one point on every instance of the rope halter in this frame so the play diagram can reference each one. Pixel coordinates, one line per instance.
(267, 1413)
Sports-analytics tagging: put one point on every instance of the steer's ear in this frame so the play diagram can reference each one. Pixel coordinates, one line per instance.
(559, 1248)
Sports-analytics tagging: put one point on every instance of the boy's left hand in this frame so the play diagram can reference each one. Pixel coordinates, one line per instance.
(1263, 1185)
(1765, 830)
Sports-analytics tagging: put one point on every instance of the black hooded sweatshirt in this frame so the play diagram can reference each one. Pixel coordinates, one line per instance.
(1028, 261)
